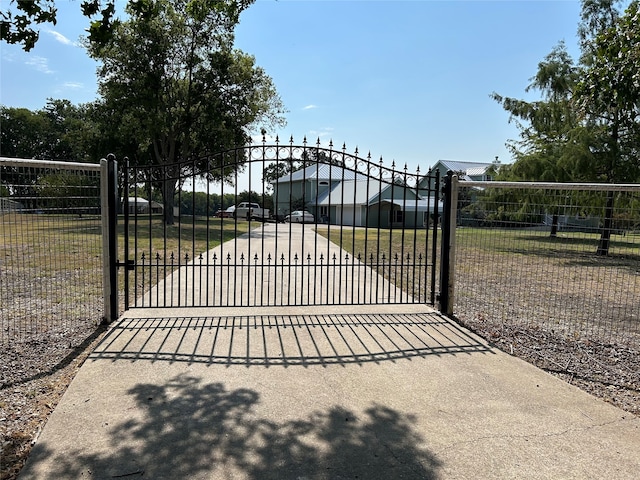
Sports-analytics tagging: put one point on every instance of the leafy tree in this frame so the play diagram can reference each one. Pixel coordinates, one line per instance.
(586, 126)
(19, 26)
(199, 203)
(22, 132)
(175, 87)
(56, 132)
(608, 96)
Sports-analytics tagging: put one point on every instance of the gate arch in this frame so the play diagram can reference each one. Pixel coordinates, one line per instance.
(368, 234)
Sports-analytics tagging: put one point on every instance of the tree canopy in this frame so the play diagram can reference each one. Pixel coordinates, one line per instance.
(59, 131)
(177, 88)
(19, 26)
(586, 127)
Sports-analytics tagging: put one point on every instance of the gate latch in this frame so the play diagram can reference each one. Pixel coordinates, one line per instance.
(130, 265)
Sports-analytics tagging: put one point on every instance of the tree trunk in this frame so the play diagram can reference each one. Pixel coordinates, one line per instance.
(605, 235)
(554, 226)
(168, 192)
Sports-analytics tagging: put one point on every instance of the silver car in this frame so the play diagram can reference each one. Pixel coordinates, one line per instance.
(299, 216)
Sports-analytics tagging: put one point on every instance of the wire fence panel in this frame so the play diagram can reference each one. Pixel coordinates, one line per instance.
(50, 248)
(562, 258)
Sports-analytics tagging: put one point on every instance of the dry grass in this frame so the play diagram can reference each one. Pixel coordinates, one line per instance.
(167, 247)
(402, 256)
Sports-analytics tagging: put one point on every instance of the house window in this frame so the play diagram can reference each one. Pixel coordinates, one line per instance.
(323, 183)
(324, 211)
(397, 216)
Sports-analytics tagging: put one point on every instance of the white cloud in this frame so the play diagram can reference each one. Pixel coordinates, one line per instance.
(40, 64)
(73, 85)
(61, 38)
(310, 107)
(324, 135)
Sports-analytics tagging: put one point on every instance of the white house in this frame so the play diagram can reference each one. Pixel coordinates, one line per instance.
(142, 205)
(469, 171)
(343, 197)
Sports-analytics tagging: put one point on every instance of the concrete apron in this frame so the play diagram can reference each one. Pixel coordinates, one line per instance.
(335, 392)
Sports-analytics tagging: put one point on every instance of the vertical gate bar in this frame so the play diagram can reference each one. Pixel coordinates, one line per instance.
(150, 198)
(367, 222)
(429, 179)
(157, 278)
(163, 175)
(208, 238)
(136, 172)
(415, 241)
(276, 207)
(315, 238)
(125, 196)
(193, 235)
(353, 232)
(378, 233)
(142, 260)
(179, 238)
(448, 244)
(393, 182)
(249, 228)
(235, 240)
(434, 241)
(342, 219)
(186, 281)
(222, 176)
(403, 235)
(304, 156)
(328, 246)
(264, 220)
(304, 209)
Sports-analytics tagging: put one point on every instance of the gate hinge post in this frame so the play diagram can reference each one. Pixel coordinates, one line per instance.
(109, 215)
(447, 252)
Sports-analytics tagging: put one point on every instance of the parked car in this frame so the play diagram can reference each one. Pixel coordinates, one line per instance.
(299, 216)
(251, 211)
(228, 213)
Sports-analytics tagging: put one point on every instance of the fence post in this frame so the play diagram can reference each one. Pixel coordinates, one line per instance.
(448, 250)
(108, 203)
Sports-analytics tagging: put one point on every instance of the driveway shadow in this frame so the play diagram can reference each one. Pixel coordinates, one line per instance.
(190, 429)
(286, 340)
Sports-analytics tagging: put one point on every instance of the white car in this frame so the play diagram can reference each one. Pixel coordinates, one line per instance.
(299, 216)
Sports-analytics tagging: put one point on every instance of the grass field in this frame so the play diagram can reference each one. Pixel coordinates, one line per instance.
(51, 265)
(526, 276)
(167, 247)
(402, 256)
(51, 272)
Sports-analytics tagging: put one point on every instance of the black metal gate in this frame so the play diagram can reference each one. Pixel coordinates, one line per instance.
(275, 225)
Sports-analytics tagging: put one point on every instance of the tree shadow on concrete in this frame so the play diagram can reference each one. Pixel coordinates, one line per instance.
(190, 429)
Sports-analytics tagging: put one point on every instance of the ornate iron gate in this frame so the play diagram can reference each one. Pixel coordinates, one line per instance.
(311, 226)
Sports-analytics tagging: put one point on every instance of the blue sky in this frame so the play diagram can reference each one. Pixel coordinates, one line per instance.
(406, 80)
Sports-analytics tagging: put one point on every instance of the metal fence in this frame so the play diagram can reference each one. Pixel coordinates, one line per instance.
(51, 256)
(564, 258)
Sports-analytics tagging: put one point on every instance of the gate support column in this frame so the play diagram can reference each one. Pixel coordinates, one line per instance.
(448, 249)
(109, 214)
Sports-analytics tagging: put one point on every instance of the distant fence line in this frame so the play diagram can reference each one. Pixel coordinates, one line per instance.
(562, 257)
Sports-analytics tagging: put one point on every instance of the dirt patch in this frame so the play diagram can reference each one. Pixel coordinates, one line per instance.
(36, 372)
